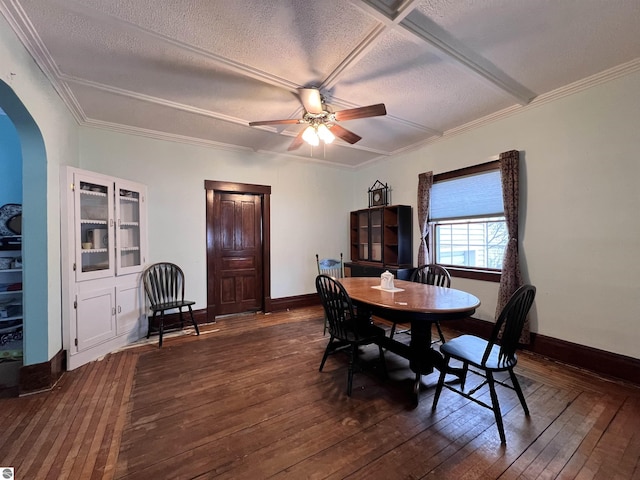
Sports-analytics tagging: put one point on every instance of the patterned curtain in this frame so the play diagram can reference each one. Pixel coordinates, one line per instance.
(425, 181)
(511, 278)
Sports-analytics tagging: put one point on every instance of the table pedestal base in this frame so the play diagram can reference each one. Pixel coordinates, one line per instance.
(415, 303)
(423, 358)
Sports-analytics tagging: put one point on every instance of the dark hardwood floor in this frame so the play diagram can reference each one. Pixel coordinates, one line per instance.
(245, 400)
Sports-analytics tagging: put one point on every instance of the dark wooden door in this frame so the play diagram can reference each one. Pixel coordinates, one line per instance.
(238, 248)
(238, 256)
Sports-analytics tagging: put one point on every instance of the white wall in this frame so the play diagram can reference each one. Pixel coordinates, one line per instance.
(579, 201)
(309, 203)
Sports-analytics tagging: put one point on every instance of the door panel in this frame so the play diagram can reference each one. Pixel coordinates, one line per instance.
(128, 310)
(95, 317)
(237, 263)
(239, 256)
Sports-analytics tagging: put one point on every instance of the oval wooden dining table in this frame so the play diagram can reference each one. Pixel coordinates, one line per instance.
(417, 304)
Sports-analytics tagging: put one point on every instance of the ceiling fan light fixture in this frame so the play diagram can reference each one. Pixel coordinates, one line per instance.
(311, 136)
(322, 122)
(325, 134)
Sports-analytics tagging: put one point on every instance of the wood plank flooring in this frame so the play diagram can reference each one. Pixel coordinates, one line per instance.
(245, 400)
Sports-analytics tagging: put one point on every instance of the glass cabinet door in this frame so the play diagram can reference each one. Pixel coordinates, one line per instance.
(363, 235)
(93, 227)
(129, 227)
(376, 234)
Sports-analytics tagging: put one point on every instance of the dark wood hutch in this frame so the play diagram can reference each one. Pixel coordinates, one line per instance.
(381, 239)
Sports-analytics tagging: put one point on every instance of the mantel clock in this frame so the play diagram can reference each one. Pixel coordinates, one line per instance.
(378, 194)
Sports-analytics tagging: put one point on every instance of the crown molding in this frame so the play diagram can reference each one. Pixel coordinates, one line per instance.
(28, 36)
(184, 139)
(576, 87)
(155, 134)
(151, 99)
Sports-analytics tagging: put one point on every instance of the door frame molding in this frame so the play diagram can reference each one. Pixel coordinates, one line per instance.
(214, 188)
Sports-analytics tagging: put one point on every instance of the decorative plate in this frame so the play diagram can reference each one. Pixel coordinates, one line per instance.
(10, 219)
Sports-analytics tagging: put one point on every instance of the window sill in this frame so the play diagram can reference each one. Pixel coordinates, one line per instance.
(485, 275)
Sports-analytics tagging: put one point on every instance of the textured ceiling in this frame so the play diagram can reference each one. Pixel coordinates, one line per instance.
(200, 70)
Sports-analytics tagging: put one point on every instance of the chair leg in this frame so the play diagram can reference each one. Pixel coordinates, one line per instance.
(352, 361)
(496, 406)
(161, 328)
(326, 353)
(181, 318)
(463, 375)
(436, 395)
(193, 320)
(324, 332)
(442, 340)
(516, 387)
(394, 330)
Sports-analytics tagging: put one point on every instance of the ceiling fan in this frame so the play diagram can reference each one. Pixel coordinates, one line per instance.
(322, 122)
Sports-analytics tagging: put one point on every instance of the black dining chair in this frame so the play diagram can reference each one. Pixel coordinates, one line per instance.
(345, 329)
(498, 354)
(429, 274)
(164, 286)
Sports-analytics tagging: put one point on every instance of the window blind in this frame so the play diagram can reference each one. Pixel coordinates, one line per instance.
(472, 196)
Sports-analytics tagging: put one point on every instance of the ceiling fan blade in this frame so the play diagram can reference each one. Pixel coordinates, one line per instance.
(361, 112)
(344, 134)
(311, 100)
(275, 122)
(297, 142)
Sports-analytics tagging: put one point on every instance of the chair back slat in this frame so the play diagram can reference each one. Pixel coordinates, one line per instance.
(508, 328)
(163, 283)
(432, 274)
(338, 308)
(330, 267)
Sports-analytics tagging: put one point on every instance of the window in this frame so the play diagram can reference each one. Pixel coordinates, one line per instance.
(478, 243)
(468, 229)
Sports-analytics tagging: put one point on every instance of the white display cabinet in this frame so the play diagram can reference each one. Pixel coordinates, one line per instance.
(104, 254)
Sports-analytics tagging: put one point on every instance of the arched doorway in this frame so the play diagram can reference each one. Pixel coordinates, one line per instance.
(35, 293)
